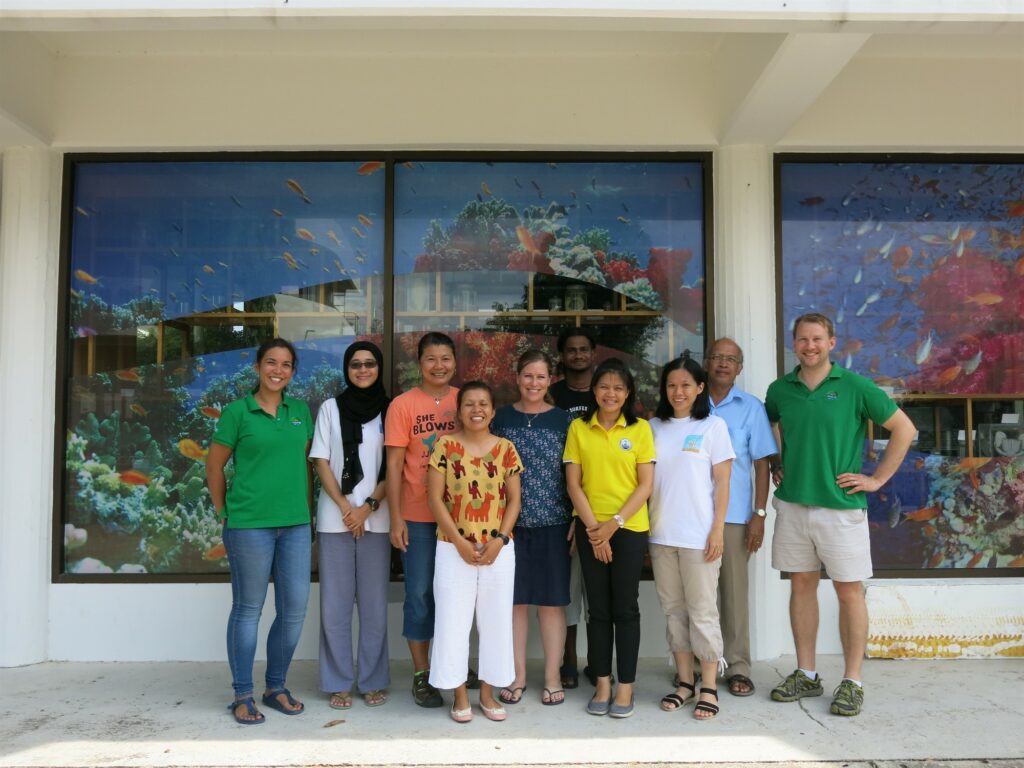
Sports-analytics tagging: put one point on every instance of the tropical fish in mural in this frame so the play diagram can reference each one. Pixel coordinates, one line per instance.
(526, 240)
(129, 375)
(290, 260)
(277, 212)
(138, 410)
(85, 277)
(81, 211)
(333, 236)
(365, 220)
(190, 449)
(208, 269)
(134, 477)
(295, 187)
(984, 299)
(305, 234)
(216, 552)
(371, 167)
(485, 189)
(358, 232)
(210, 412)
(924, 349)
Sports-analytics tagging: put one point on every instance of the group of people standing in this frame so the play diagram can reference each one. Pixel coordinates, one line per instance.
(496, 509)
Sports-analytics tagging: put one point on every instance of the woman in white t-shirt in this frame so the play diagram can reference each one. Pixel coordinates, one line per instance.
(688, 506)
(353, 527)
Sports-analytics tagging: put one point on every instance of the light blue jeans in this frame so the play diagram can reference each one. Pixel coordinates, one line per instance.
(256, 554)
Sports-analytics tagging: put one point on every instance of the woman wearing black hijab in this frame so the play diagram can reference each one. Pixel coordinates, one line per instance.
(353, 526)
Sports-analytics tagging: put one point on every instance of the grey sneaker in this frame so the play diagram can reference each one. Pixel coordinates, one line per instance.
(847, 699)
(423, 693)
(796, 686)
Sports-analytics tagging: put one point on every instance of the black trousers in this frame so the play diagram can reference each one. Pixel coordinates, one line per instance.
(613, 591)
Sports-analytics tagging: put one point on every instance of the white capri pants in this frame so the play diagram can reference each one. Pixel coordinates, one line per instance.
(460, 590)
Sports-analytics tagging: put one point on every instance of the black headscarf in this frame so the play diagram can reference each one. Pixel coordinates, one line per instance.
(356, 407)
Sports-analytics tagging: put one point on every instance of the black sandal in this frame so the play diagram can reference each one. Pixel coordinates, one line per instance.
(570, 676)
(706, 706)
(680, 684)
(742, 680)
(673, 702)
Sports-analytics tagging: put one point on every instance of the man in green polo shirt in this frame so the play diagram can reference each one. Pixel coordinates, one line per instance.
(821, 412)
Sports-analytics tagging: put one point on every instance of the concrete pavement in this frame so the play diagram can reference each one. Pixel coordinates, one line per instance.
(917, 713)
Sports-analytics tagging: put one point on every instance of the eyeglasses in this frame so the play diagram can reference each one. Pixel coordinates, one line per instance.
(357, 364)
(731, 359)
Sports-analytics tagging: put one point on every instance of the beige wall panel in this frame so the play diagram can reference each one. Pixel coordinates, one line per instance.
(335, 102)
(918, 104)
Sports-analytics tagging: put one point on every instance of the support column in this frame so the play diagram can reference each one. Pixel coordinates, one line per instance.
(745, 311)
(29, 213)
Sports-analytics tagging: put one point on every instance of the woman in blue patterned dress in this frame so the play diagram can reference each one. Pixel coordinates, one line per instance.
(542, 533)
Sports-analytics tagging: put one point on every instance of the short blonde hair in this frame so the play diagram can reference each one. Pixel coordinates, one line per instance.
(817, 318)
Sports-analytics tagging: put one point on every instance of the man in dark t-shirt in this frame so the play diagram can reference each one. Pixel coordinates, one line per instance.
(573, 394)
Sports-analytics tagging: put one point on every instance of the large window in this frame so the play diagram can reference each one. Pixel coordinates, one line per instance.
(177, 268)
(920, 263)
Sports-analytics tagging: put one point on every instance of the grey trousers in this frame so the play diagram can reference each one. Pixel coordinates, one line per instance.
(734, 604)
(354, 572)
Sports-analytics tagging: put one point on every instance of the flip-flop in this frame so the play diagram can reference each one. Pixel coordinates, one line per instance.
(375, 698)
(343, 697)
(250, 709)
(742, 680)
(570, 676)
(512, 695)
(548, 698)
(270, 700)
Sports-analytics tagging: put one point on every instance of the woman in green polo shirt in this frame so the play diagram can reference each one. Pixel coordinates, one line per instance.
(609, 472)
(266, 513)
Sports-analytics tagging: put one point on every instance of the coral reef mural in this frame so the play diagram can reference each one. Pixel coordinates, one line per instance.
(921, 267)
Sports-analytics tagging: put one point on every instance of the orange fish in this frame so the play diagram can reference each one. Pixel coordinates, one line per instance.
(923, 514)
(295, 187)
(984, 299)
(134, 477)
(852, 347)
(936, 559)
(1015, 209)
(366, 221)
(901, 256)
(208, 269)
(919, 464)
(408, 164)
(290, 260)
(190, 449)
(210, 412)
(526, 240)
(975, 560)
(216, 552)
(85, 277)
(127, 375)
(905, 279)
(371, 167)
(969, 465)
(1017, 562)
(305, 234)
(889, 323)
(137, 409)
(948, 375)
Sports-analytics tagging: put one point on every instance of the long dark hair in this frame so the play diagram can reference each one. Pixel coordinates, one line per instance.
(615, 366)
(274, 343)
(701, 404)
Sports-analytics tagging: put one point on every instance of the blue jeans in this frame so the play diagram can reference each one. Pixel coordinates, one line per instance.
(256, 554)
(418, 565)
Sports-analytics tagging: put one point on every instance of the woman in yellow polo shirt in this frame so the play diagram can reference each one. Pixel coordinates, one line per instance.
(609, 458)
(266, 513)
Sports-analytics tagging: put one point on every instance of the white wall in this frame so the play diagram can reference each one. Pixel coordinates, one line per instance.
(585, 99)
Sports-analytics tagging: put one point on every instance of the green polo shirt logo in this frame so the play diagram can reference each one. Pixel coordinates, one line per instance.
(832, 395)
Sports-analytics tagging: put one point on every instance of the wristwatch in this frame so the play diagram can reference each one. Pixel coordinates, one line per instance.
(619, 519)
(372, 503)
(499, 535)
(760, 513)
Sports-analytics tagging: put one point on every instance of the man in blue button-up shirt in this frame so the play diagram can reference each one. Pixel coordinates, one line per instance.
(753, 442)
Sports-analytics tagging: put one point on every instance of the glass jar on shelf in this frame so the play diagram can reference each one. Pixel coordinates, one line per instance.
(575, 298)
